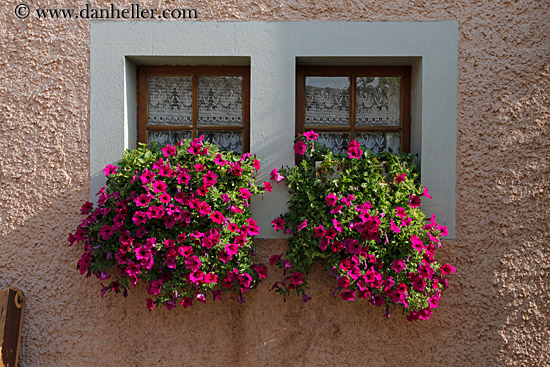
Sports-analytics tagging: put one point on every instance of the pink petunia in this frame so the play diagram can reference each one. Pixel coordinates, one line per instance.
(331, 199)
(275, 176)
(169, 150)
(414, 202)
(110, 170)
(278, 224)
(256, 164)
(447, 269)
(300, 147)
(398, 265)
(400, 178)
(267, 186)
(426, 193)
(311, 135)
(245, 194)
(394, 227)
(302, 225)
(354, 150)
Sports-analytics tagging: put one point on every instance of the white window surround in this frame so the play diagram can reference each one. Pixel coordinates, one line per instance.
(273, 49)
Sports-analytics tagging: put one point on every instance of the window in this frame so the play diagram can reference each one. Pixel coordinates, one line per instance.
(368, 104)
(177, 102)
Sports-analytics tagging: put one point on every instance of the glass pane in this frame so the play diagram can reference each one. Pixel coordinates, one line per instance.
(220, 100)
(378, 101)
(327, 100)
(170, 100)
(338, 142)
(226, 140)
(378, 141)
(168, 137)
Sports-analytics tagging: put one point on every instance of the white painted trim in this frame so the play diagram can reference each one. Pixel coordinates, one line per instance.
(273, 49)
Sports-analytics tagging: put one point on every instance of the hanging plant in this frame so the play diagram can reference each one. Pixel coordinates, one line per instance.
(177, 219)
(360, 214)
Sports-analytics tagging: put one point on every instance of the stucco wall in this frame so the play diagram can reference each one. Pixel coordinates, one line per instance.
(496, 312)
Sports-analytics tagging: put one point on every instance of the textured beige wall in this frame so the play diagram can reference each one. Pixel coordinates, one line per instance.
(496, 312)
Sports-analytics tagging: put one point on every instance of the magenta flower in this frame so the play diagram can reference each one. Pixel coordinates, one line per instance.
(199, 167)
(319, 231)
(256, 164)
(305, 298)
(169, 150)
(414, 202)
(354, 150)
(348, 295)
(139, 218)
(300, 147)
(337, 225)
(217, 217)
(143, 200)
(275, 176)
(400, 178)
(447, 269)
(245, 280)
(86, 208)
(245, 194)
(187, 302)
(150, 304)
(278, 224)
(337, 209)
(398, 265)
(331, 199)
(267, 186)
(394, 227)
(433, 301)
(303, 225)
(274, 258)
(426, 193)
(311, 135)
(417, 244)
(261, 270)
(159, 186)
(209, 179)
(164, 198)
(110, 170)
(154, 287)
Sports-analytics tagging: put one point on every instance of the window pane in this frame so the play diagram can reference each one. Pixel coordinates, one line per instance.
(170, 100)
(378, 101)
(220, 100)
(379, 141)
(226, 140)
(338, 142)
(327, 101)
(168, 137)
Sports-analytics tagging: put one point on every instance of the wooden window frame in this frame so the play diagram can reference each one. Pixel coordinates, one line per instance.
(195, 72)
(353, 72)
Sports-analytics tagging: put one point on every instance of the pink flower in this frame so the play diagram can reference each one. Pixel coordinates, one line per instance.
(217, 217)
(337, 225)
(319, 231)
(169, 150)
(199, 167)
(400, 212)
(231, 249)
(154, 287)
(447, 269)
(245, 280)
(433, 301)
(295, 279)
(209, 179)
(394, 227)
(354, 150)
(305, 298)
(278, 224)
(311, 135)
(426, 193)
(348, 295)
(245, 194)
(110, 170)
(303, 225)
(261, 270)
(159, 186)
(417, 244)
(274, 258)
(150, 304)
(187, 302)
(86, 208)
(139, 218)
(400, 178)
(331, 199)
(164, 198)
(275, 176)
(267, 186)
(398, 265)
(414, 202)
(143, 200)
(348, 199)
(300, 147)
(256, 164)
(225, 198)
(336, 210)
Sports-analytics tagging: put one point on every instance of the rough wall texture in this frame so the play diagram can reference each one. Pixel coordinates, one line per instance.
(497, 311)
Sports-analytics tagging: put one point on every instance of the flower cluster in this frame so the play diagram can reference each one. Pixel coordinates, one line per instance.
(360, 213)
(177, 219)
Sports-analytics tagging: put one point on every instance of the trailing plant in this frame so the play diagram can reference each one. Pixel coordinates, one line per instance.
(177, 219)
(359, 213)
